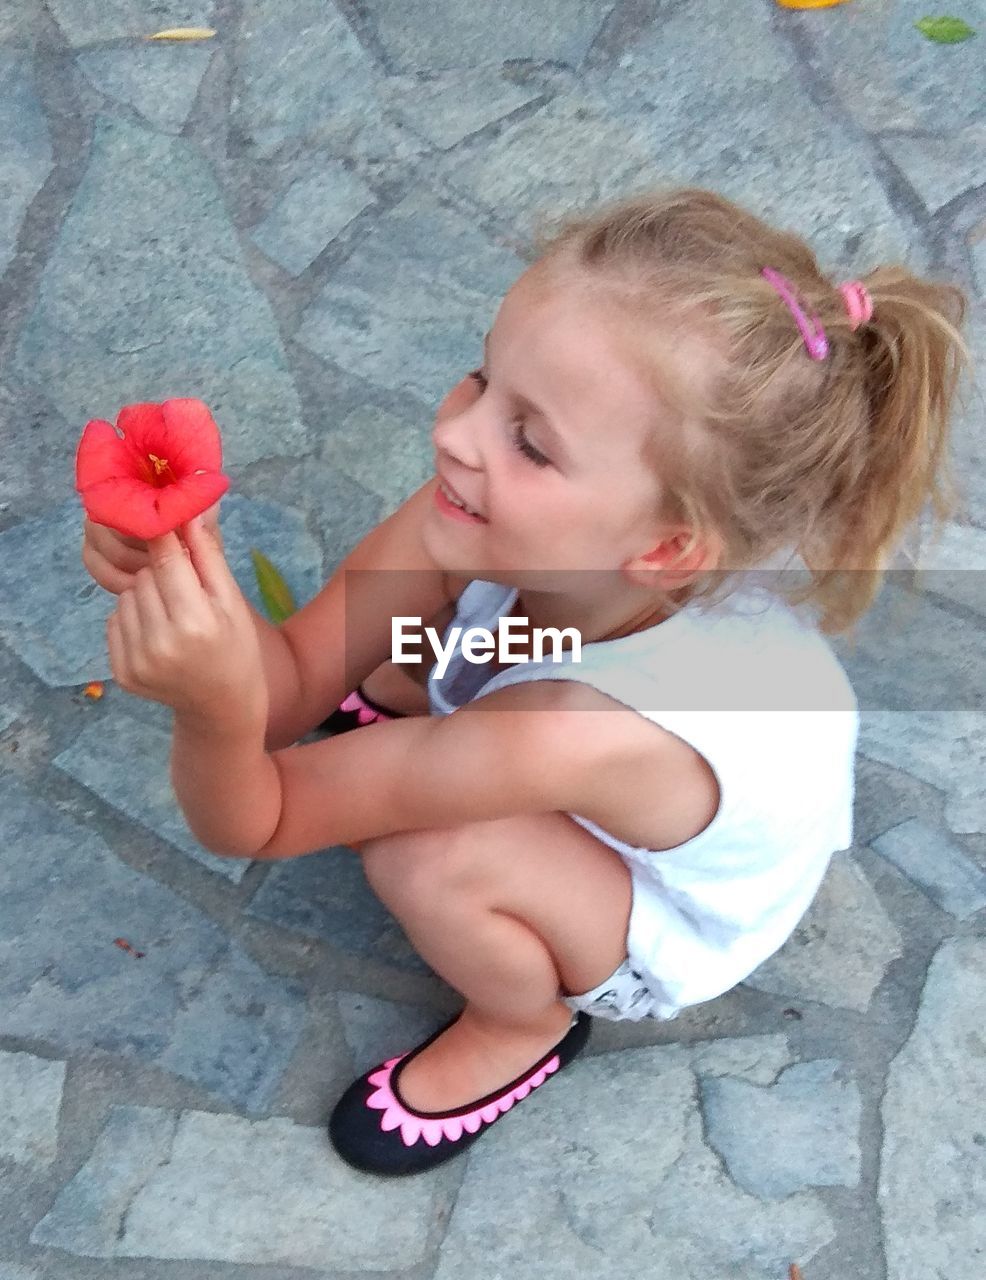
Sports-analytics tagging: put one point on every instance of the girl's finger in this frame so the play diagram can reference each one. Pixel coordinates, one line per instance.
(118, 654)
(176, 578)
(109, 577)
(131, 633)
(104, 538)
(150, 607)
(205, 548)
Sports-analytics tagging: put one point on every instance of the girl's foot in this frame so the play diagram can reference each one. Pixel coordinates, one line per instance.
(355, 710)
(471, 1059)
(374, 1127)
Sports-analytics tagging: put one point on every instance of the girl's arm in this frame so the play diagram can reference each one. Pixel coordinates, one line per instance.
(323, 651)
(523, 749)
(185, 638)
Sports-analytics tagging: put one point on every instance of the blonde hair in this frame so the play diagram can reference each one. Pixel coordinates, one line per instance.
(834, 458)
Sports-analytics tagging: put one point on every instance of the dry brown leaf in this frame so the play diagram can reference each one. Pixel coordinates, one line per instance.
(794, 1273)
(184, 33)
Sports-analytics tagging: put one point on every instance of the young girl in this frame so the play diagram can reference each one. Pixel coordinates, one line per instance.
(675, 406)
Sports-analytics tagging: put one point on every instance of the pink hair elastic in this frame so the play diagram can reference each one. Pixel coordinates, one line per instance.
(811, 330)
(859, 304)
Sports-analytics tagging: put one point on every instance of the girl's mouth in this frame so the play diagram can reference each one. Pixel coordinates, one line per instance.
(450, 506)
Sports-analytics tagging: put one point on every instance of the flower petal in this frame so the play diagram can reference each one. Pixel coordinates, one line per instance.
(190, 439)
(181, 502)
(143, 511)
(127, 505)
(142, 424)
(101, 455)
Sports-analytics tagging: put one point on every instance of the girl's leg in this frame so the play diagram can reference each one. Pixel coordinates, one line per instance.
(512, 913)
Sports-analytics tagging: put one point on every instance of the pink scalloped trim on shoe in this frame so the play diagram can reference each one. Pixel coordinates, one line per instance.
(434, 1128)
(366, 714)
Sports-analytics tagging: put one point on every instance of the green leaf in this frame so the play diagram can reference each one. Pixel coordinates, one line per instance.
(945, 30)
(274, 591)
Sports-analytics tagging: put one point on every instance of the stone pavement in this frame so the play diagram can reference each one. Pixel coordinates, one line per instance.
(308, 221)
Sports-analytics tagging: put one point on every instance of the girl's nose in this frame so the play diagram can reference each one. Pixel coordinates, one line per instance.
(458, 434)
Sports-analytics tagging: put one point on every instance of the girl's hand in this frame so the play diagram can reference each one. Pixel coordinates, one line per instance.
(183, 634)
(114, 560)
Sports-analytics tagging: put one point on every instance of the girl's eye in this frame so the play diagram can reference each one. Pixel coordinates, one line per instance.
(521, 443)
(526, 448)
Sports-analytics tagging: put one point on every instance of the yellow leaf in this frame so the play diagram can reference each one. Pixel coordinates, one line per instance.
(274, 591)
(184, 33)
(809, 4)
(94, 690)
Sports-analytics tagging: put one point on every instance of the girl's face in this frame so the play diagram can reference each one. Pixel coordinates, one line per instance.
(544, 441)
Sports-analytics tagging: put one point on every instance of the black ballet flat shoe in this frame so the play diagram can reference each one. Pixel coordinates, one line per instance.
(375, 1131)
(356, 710)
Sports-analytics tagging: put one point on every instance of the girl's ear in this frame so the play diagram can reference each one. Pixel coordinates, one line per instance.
(667, 565)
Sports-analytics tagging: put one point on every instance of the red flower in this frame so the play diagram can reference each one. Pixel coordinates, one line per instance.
(163, 473)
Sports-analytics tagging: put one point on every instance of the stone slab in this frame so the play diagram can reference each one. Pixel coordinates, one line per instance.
(937, 864)
(451, 105)
(445, 34)
(310, 214)
(302, 71)
(946, 749)
(31, 1089)
(376, 1030)
(954, 565)
(225, 1189)
(160, 81)
(910, 82)
(800, 1132)
(840, 951)
(26, 156)
(387, 455)
(600, 1188)
(195, 1004)
(913, 654)
(932, 1182)
(90, 21)
(126, 762)
(941, 167)
(18, 21)
(724, 105)
(326, 896)
(571, 154)
(52, 613)
(413, 302)
(37, 454)
(145, 296)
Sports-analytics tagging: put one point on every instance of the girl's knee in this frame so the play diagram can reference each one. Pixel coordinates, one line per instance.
(417, 868)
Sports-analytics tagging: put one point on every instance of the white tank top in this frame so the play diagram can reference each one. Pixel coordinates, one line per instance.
(755, 688)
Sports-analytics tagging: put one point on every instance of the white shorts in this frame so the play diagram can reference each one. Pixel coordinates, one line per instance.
(624, 996)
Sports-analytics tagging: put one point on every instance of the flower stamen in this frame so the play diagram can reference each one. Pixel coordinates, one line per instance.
(162, 471)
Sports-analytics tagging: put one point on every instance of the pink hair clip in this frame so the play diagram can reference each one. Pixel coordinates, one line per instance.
(811, 330)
